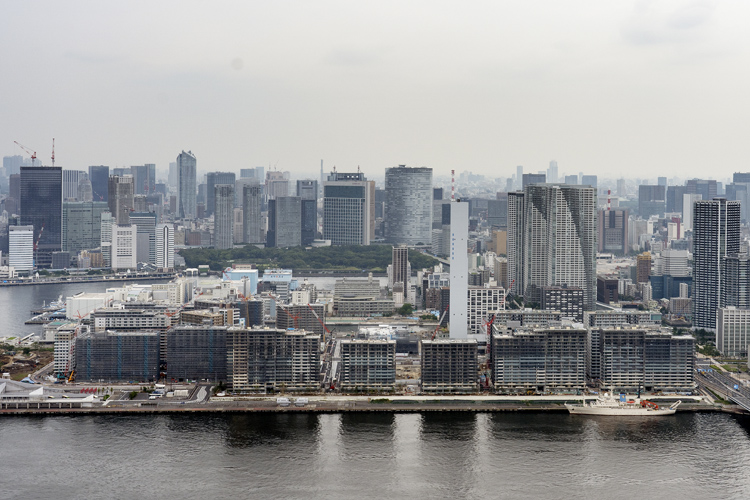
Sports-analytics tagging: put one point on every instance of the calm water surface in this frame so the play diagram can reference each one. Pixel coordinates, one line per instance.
(435, 455)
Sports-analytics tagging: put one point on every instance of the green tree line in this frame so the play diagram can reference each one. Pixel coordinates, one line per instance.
(375, 258)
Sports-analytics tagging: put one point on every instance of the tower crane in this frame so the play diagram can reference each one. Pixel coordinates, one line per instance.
(32, 153)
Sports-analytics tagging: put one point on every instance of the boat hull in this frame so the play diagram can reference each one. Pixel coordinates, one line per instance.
(633, 411)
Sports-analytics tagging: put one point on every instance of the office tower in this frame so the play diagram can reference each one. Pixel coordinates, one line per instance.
(124, 238)
(284, 222)
(519, 177)
(145, 244)
(71, 178)
(497, 211)
(247, 173)
(401, 269)
(121, 198)
(621, 189)
(651, 201)
(186, 185)
(41, 207)
(348, 209)
(164, 246)
(144, 178)
(277, 184)
(662, 181)
(533, 179)
(14, 190)
(85, 191)
(589, 180)
(459, 268)
(223, 199)
(708, 189)
(515, 248)
(571, 179)
(307, 189)
(688, 200)
(212, 180)
(552, 171)
(173, 179)
(82, 225)
(674, 199)
(558, 245)
(251, 213)
(408, 207)
(309, 220)
(613, 231)
(643, 267)
(733, 331)
(716, 234)
(21, 248)
(736, 280)
(140, 203)
(12, 164)
(99, 177)
(108, 222)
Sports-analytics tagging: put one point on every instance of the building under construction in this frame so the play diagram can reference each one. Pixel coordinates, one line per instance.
(110, 356)
(270, 360)
(197, 352)
(449, 365)
(368, 365)
(301, 317)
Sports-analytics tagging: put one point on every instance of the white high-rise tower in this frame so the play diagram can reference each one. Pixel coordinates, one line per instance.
(459, 270)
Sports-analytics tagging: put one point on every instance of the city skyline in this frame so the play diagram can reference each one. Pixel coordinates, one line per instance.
(648, 86)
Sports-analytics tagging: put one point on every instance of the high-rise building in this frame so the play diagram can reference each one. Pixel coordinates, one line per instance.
(708, 189)
(589, 180)
(81, 225)
(651, 200)
(571, 179)
(12, 164)
(145, 244)
(307, 189)
(716, 234)
(662, 181)
(515, 244)
(277, 184)
(41, 207)
(121, 200)
(144, 178)
(309, 220)
(552, 172)
(449, 366)
(558, 240)
(408, 208)
(21, 248)
(733, 331)
(643, 267)
(687, 209)
(187, 187)
(85, 191)
(613, 231)
(401, 268)
(284, 222)
(251, 213)
(223, 209)
(164, 246)
(99, 177)
(533, 179)
(212, 180)
(519, 177)
(459, 268)
(348, 209)
(124, 250)
(173, 179)
(674, 199)
(71, 178)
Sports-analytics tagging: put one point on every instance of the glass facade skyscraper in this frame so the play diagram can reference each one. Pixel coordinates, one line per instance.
(187, 188)
(41, 207)
(408, 207)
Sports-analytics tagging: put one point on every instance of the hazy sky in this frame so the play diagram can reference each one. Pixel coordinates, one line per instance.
(612, 88)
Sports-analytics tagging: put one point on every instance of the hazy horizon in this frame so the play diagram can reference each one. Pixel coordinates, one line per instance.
(631, 89)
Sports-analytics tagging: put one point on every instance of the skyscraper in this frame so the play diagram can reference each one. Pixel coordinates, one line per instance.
(613, 231)
(716, 234)
(651, 200)
(121, 198)
(82, 225)
(309, 220)
(144, 178)
(164, 246)
(459, 262)
(284, 222)
(99, 177)
(348, 209)
(400, 268)
(21, 248)
(558, 242)
(223, 200)
(41, 207)
(408, 207)
(71, 178)
(552, 172)
(251, 213)
(145, 236)
(515, 248)
(213, 179)
(307, 189)
(187, 187)
(533, 179)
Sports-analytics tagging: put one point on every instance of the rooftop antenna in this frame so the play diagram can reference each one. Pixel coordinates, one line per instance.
(453, 185)
(53, 151)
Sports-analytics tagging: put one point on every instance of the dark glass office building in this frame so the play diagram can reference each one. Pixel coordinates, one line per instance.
(99, 177)
(41, 207)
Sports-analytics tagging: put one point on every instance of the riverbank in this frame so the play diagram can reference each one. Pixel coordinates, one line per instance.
(63, 280)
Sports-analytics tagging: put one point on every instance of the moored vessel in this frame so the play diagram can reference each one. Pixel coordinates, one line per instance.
(608, 404)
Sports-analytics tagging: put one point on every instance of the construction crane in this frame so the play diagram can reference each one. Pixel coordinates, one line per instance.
(319, 320)
(440, 322)
(32, 153)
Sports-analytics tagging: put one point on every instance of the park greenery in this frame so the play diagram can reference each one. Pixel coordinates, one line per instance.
(372, 258)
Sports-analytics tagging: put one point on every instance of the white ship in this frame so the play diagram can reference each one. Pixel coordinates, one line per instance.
(607, 404)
